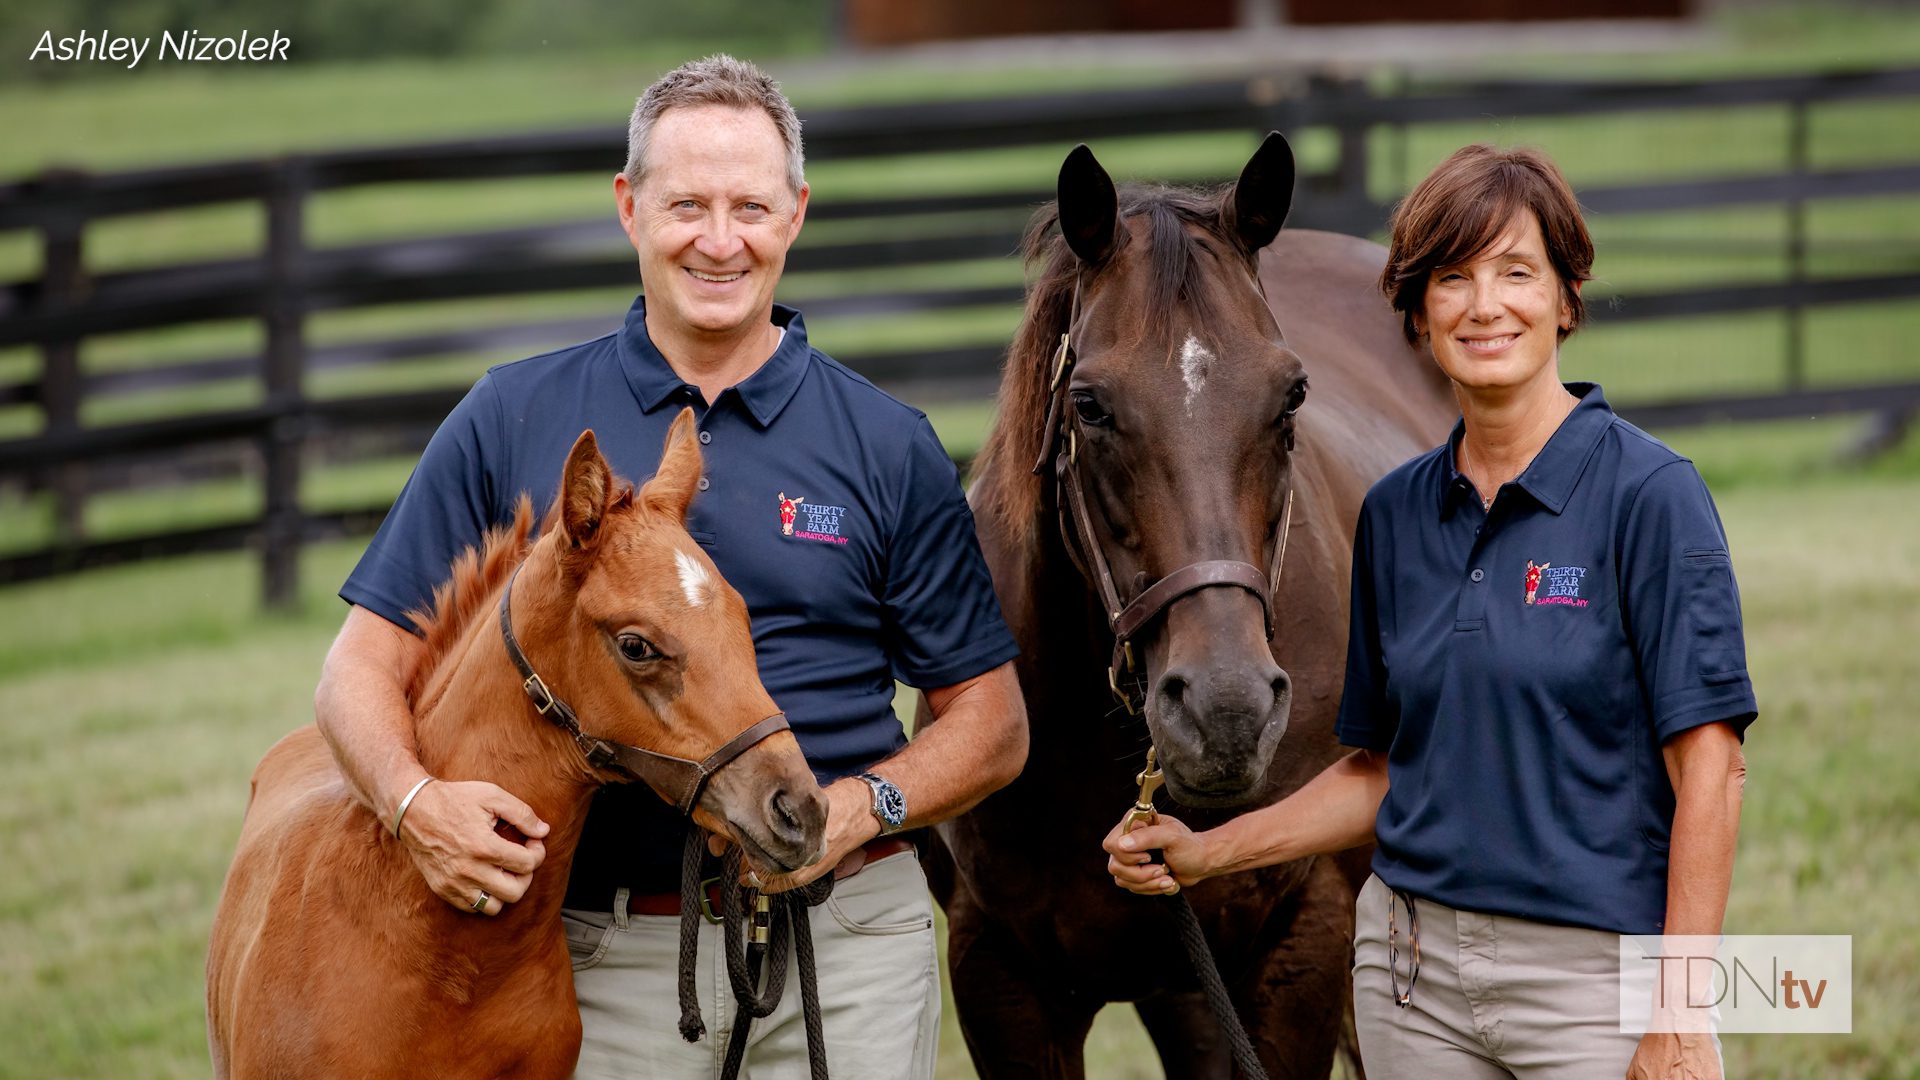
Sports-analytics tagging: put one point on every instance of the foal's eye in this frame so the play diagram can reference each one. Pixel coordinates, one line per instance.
(636, 648)
(1295, 398)
(1088, 408)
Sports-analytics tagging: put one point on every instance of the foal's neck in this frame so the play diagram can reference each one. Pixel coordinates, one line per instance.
(479, 724)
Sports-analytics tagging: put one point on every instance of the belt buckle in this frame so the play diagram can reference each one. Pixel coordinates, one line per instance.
(706, 901)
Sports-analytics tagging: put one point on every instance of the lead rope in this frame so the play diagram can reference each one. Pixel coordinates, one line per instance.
(1199, 954)
(789, 922)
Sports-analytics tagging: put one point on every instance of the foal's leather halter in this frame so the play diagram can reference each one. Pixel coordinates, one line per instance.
(1127, 619)
(680, 779)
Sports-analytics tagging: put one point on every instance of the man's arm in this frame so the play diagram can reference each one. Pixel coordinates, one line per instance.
(978, 746)
(361, 709)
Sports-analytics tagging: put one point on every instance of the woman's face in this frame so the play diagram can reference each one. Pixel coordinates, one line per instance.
(1494, 320)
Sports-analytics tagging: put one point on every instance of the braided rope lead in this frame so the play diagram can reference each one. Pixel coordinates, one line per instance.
(1211, 984)
(791, 923)
(692, 1028)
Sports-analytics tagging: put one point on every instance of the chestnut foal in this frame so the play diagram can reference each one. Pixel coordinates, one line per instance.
(330, 957)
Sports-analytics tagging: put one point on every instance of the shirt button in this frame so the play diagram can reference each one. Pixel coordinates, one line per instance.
(1477, 575)
(704, 485)
(706, 436)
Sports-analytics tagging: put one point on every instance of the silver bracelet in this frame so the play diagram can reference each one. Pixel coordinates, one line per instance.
(401, 814)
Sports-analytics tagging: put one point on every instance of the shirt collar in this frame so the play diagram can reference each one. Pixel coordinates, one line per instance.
(1551, 476)
(765, 392)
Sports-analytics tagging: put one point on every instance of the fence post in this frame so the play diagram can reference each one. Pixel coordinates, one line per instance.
(63, 281)
(1796, 329)
(284, 375)
(1347, 188)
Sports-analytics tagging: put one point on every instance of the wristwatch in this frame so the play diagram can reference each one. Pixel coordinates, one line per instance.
(889, 805)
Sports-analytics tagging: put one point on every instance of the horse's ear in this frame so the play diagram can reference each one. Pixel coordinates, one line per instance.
(1263, 194)
(671, 490)
(1089, 207)
(585, 487)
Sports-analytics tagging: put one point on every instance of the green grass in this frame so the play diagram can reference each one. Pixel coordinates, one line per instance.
(134, 701)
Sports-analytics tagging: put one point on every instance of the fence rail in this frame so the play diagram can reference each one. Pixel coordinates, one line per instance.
(291, 279)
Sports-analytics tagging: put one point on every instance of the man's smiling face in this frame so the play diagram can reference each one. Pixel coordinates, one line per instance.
(712, 219)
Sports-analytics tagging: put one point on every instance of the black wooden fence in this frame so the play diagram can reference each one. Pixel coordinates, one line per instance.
(290, 279)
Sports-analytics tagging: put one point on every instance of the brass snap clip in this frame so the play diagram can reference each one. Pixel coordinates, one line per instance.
(1149, 780)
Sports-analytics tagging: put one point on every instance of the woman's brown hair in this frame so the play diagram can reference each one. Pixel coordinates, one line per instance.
(1464, 205)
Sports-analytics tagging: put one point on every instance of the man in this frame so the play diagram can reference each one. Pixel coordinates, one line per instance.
(881, 579)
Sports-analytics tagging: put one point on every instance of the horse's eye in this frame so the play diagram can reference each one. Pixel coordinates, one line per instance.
(1087, 407)
(1296, 397)
(636, 648)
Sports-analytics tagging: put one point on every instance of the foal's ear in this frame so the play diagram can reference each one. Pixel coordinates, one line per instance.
(585, 487)
(671, 489)
(1089, 207)
(1263, 194)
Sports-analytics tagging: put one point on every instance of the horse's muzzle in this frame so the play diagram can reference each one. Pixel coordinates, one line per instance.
(1217, 729)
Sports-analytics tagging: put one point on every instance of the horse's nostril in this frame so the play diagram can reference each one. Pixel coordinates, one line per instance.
(784, 812)
(1174, 687)
(1282, 687)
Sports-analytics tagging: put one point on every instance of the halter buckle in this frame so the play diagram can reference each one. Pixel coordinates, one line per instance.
(1125, 699)
(543, 699)
(1060, 363)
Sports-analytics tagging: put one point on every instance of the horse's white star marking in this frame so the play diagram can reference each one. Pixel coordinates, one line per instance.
(693, 578)
(1194, 359)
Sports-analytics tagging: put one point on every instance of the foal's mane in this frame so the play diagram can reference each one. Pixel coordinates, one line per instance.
(1180, 223)
(478, 573)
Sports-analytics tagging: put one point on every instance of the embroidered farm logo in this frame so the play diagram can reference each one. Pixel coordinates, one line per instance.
(1550, 584)
(811, 521)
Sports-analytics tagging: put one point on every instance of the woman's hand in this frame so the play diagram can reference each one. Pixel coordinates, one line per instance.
(1683, 1055)
(1186, 855)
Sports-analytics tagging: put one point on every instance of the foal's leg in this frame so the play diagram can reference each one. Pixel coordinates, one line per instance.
(1189, 1039)
(1016, 1024)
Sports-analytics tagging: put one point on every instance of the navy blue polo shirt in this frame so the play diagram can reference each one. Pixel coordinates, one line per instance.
(1522, 666)
(878, 576)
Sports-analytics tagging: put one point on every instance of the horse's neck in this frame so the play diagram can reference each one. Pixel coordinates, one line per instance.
(478, 724)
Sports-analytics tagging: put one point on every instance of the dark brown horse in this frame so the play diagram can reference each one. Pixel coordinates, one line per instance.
(330, 957)
(1181, 425)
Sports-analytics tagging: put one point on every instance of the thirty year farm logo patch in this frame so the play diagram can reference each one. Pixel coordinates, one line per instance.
(804, 520)
(1550, 584)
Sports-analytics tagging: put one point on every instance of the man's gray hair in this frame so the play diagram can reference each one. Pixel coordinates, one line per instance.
(716, 80)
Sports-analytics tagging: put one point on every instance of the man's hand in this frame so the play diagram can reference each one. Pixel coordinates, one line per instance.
(1675, 1056)
(850, 823)
(450, 831)
(1185, 851)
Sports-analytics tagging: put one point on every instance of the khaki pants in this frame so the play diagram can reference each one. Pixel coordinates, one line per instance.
(1497, 996)
(879, 989)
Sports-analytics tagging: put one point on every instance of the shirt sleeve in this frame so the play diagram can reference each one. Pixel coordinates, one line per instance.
(943, 619)
(1367, 719)
(446, 507)
(1683, 606)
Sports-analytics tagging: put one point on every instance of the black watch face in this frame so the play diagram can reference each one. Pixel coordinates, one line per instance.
(893, 805)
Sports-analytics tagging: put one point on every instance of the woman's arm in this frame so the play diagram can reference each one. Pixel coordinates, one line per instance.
(1333, 812)
(1708, 774)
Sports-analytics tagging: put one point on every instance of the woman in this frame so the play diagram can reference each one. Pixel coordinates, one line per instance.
(1546, 681)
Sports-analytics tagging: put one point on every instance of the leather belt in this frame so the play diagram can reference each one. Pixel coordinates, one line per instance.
(872, 851)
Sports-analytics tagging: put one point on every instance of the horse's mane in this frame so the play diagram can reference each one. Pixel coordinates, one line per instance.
(477, 574)
(1178, 221)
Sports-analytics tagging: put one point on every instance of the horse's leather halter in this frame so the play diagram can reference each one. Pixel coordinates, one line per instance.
(680, 779)
(1125, 620)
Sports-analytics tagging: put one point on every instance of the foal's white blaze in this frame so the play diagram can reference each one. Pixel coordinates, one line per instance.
(693, 578)
(1194, 359)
